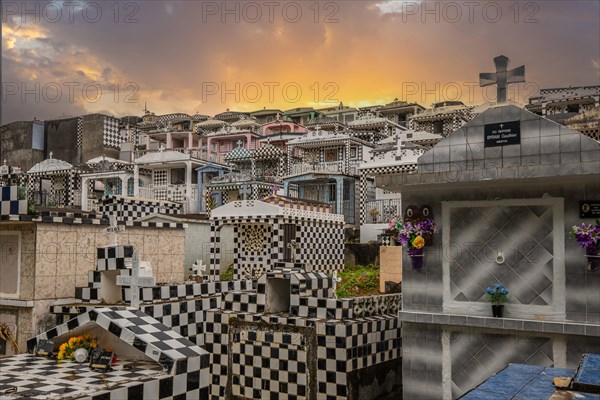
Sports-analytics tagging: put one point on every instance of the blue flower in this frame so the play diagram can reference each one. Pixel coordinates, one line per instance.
(489, 291)
(498, 286)
(504, 291)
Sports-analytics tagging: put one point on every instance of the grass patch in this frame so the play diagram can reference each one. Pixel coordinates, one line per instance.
(228, 274)
(359, 280)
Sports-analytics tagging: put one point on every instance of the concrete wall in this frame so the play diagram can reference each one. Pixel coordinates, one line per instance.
(93, 138)
(61, 137)
(369, 232)
(197, 245)
(16, 145)
(55, 258)
(581, 297)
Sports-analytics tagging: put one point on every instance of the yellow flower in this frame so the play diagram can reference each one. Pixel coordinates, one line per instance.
(93, 345)
(418, 242)
(63, 347)
(61, 355)
(72, 340)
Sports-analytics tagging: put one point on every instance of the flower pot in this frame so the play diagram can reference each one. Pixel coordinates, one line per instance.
(416, 258)
(80, 355)
(593, 257)
(498, 310)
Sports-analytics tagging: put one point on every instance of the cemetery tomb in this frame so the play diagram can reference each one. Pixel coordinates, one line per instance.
(277, 228)
(151, 361)
(292, 339)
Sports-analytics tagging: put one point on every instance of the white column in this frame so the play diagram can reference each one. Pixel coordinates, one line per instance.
(84, 194)
(190, 140)
(136, 181)
(188, 186)
(123, 185)
(169, 141)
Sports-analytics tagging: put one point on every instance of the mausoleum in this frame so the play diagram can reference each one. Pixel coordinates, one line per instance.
(505, 190)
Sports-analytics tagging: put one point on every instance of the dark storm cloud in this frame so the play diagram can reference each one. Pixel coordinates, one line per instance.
(171, 50)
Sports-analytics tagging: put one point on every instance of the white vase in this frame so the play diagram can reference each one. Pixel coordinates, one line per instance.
(80, 355)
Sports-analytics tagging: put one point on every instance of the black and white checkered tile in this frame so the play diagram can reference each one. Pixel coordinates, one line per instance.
(112, 135)
(258, 355)
(126, 209)
(113, 257)
(79, 132)
(10, 203)
(27, 377)
(320, 244)
(174, 368)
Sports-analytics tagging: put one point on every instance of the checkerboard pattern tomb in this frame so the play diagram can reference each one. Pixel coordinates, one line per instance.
(260, 345)
(155, 340)
(267, 365)
(126, 209)
(262, 355)
(111, 136)
(320, 239)
(11, 205)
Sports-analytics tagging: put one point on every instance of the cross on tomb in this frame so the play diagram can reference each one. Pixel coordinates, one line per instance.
(239, 143)
(502, 77)
(135, 281)
(198, 268)
(113, 229)
(245, 191)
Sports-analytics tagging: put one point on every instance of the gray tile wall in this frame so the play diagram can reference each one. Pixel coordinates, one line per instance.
(422, 290)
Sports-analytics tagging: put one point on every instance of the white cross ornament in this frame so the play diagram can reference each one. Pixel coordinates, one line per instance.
(198, 267)
(135, 281)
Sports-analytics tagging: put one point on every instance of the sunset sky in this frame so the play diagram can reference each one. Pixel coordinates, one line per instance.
(179, 56)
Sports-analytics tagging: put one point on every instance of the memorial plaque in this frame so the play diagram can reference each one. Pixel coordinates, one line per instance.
(101, 359)
(502, 134)
(589, 208)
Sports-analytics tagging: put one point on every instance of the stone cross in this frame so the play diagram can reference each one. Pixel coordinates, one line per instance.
(245, 191)
(135, 281)
(113, 229)
(239, 143)
(50, 155)
(502, 77)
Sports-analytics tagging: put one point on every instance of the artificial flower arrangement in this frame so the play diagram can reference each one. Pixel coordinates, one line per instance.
(588, 238)
(67, 350)
(496, 294)
(413, 234)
